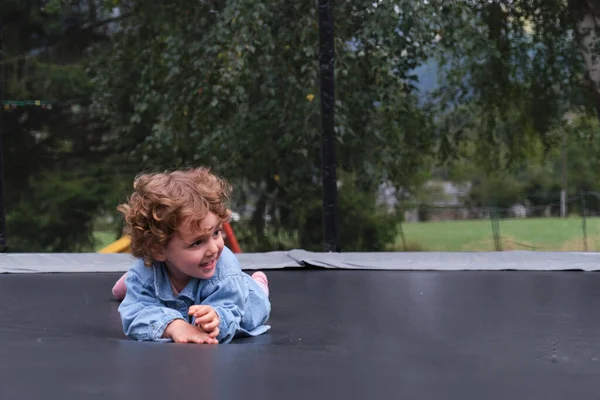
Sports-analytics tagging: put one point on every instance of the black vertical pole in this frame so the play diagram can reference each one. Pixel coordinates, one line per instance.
(328, 163)
(2, 206)
(583, 221)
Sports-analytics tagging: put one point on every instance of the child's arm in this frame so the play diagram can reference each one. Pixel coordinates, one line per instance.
(143, 316)
(227, 299)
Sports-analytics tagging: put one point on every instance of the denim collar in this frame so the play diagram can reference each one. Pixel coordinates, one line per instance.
(162, 284)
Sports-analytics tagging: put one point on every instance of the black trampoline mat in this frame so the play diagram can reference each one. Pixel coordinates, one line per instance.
(335, 334)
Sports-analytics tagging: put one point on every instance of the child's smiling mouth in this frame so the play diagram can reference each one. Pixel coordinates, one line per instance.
(208, 265)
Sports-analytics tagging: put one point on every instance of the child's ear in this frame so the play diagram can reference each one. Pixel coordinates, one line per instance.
(159, 255)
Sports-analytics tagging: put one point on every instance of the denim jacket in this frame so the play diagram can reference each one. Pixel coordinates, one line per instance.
(150, 304)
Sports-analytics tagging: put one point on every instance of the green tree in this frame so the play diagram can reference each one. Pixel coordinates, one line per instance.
(512, 70)
(56, 178)
(586, 18)
(234, 85)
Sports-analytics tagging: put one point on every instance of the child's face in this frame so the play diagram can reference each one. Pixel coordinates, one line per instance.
(195, 253)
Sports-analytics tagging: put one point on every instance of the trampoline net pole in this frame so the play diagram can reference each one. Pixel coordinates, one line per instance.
(583, 220)
(328, 159)
(3, 248)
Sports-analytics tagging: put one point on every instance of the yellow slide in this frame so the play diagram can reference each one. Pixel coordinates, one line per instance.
(118, 246)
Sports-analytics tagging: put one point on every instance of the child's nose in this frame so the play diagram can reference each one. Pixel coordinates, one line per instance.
(213, 248)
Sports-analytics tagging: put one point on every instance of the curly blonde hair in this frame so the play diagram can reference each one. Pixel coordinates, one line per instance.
(162, 201)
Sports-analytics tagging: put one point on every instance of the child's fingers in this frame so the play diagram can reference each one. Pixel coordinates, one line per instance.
(206, 340)
(203, 318)
(203, 338)
(199, 310)
(210, 325)
(214, 333)
(207, 326)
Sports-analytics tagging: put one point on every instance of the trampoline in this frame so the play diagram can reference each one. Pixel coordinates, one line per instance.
(513, 325)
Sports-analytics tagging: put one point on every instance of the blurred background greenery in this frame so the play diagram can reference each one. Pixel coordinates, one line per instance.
(460, 126)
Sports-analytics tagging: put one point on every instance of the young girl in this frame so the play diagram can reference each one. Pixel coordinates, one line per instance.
(186, 286)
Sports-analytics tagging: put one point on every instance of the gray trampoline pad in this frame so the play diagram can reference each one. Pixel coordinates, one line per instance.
(425, 261)
(453, 261)
(19, 263)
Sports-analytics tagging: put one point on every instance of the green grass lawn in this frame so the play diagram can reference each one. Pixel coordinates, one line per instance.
(543, 234)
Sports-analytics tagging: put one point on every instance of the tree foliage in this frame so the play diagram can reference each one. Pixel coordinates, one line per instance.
(513, 69)
(55, 157)
(234, 85)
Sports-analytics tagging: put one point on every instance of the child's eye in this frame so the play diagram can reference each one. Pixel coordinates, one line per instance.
(200, 242)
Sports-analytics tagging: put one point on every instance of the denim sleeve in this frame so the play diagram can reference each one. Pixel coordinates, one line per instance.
(143, 315)
(228, 299)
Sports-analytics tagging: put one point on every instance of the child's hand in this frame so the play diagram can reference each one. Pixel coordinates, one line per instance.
(182, 332)
(206, 318)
